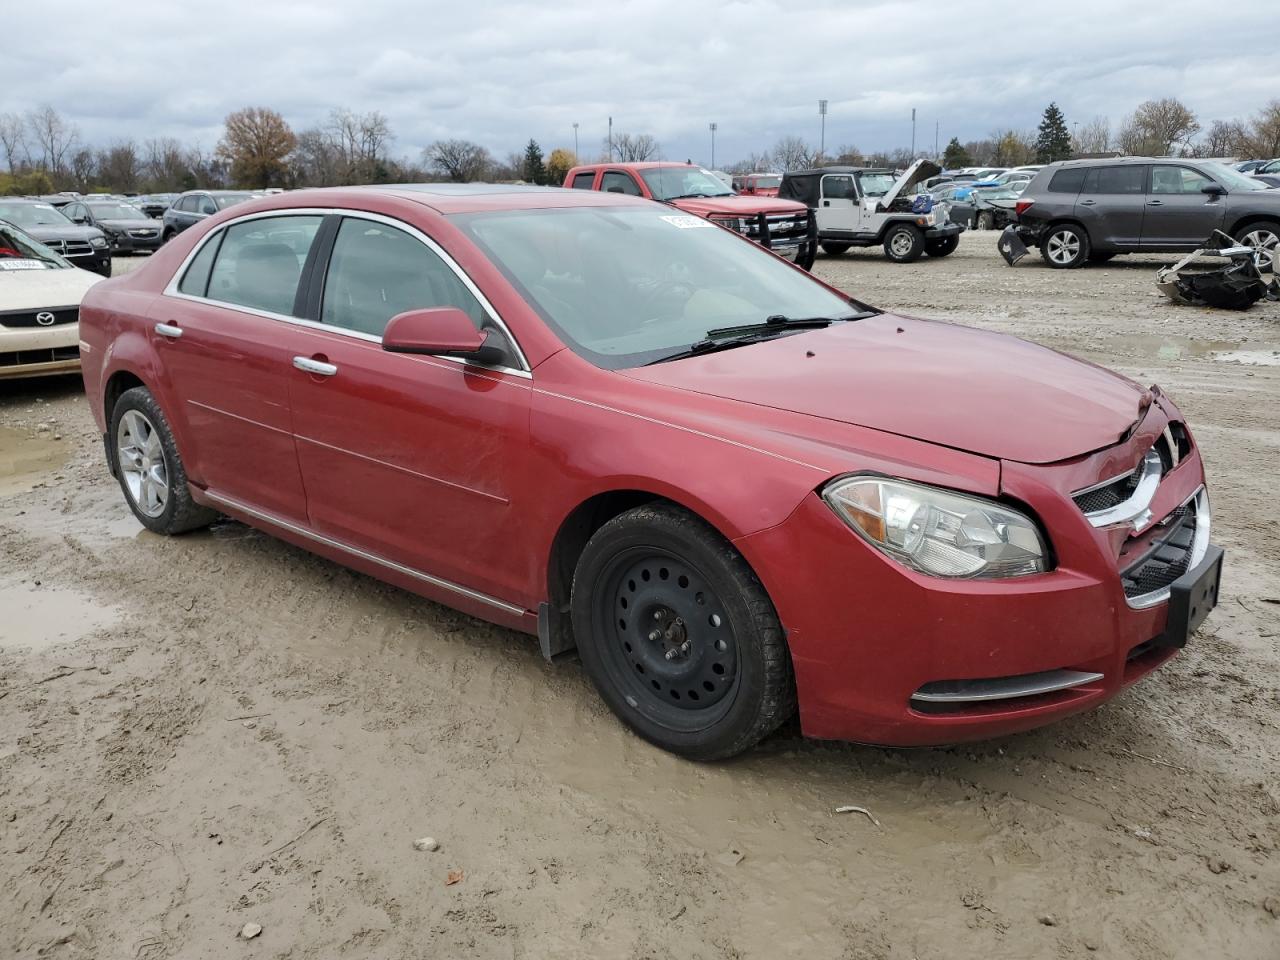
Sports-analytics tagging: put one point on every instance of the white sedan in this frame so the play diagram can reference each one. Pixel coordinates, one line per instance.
(40, 294)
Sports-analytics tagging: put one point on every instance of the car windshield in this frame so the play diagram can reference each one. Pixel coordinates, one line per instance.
(670, 182)
(21, 252)
(876, 184)
(758, 182)
(224, 200)
(116, 211)
(1233, 179)
(625, 286)
(32, 215)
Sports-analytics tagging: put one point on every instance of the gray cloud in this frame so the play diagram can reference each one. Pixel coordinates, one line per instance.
(501, 72)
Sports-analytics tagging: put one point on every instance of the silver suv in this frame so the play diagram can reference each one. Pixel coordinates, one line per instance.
(1087, 211)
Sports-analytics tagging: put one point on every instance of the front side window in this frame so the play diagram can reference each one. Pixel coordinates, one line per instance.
(186, 205)
(584, 181)
(259, 262)
(1170, 179)
(616, 182)
(837, 188)
(624, 286)
(1117, 180)
(377, 271)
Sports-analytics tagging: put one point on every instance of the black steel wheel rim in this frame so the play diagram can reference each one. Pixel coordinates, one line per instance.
(668, 640)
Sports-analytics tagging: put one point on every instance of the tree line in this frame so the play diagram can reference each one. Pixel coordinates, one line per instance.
(43, 152)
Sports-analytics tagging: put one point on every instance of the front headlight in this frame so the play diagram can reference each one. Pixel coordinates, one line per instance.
(98, 242)
(938, 532)
(733, 223)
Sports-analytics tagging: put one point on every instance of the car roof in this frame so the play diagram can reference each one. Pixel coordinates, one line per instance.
(819, 171)
(630, 165)
(1119, 161)
(450, 198)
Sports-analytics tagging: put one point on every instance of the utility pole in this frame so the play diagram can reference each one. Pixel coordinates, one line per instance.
(575, 143)
(713, 145)
(935, 139)
(611, 139)
(822, 142)
(913, 133)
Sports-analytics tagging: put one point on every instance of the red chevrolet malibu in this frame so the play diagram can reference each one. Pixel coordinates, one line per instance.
(732, 488)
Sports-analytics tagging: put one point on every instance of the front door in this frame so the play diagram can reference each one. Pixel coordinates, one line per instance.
(838, 207)
(221, 339)
(1179, 213)
(415, 459)
(1111, 205)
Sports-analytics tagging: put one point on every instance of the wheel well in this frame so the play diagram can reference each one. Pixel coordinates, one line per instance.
(1064, 221)
(118, 383)
(1249, 219)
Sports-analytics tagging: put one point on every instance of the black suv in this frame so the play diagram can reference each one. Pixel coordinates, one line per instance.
(194, 205)
(84, 246)
(1087, 211)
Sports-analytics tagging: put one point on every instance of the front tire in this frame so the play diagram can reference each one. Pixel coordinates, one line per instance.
(1264, 237)
(149, 469)
(942, 247)
(678, 635)
(1065, 246)
(986, 220)
(835, 249)
(904, 243)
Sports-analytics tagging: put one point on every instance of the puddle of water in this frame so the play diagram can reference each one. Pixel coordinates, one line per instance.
(38, 618)
(26, 460)
(1185, 348)
(1265, 358)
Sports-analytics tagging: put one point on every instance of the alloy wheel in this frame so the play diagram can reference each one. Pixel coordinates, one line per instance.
(1064, 247)
(1266, 246)
(142, 465)
(901, 243)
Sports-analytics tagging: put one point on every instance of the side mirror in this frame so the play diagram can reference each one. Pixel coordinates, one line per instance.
(1213, 189)
(444, 331)
(613, 190)
(80, 219)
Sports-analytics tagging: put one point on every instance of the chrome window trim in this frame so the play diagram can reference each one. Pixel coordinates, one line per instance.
(233, 504)
(1199, 547)
(525, 370)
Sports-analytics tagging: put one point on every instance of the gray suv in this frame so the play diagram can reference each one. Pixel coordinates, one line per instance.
(1087, 211)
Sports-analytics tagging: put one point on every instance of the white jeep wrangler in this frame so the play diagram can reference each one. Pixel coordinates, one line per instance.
(869, 206)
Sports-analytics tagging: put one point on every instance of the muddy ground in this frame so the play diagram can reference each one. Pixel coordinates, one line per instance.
(219, 729)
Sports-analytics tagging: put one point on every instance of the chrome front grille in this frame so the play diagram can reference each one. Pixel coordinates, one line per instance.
(1178, 544)
(69, 248)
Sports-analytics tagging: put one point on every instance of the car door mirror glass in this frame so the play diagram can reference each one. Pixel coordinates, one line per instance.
(444, 331)
(208, 208)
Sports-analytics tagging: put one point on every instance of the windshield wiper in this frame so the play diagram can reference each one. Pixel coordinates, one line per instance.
(694, 196)
(726, 338)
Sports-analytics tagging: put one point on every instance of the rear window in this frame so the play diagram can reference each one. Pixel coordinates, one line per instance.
(1068, 181)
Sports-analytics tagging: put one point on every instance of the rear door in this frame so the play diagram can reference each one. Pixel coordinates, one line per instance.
(838, 206)
(1111, 205)
(1179, 215)
(415, 459)
(220, 333)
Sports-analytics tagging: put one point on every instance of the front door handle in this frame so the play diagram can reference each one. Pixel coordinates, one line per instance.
(318, 367)
(1155, 203)
(1087, 203)
(168, 330)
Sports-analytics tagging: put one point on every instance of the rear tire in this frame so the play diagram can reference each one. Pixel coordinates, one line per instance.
(149, 469)
(678, 635)
(835, 249)
(903, 243)
(942, 247)
(986, 221)
(1263, 235)
(1065, 246)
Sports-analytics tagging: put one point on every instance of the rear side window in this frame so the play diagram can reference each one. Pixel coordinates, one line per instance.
(377, 271)
(1068, 181)
(1116, 180)
(260, 261)
(195, 282)
(616, 182)
(584, 181)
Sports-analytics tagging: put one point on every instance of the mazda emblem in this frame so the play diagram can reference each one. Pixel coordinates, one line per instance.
(45, 319)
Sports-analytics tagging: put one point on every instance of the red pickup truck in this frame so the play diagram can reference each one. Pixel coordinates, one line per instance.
(786, 227)
(758, 184)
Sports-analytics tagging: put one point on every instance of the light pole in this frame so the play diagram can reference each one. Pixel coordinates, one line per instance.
(575, 143)
(713, 145)
(1075, 136)
(936, 125)
(913, 133)
(822, 141)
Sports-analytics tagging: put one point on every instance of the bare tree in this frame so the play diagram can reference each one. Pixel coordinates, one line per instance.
(1264, 137)
(1224, 138)
(634, 147)
(119, 166)
(1093, 137)
(848, 154)
(792, 153)
(1162, 125)
(83, 165)
(53, 136)
(359, 142)
(460, 160)
(13, 140)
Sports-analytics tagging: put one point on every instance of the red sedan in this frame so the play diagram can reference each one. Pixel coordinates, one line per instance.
(732, 488)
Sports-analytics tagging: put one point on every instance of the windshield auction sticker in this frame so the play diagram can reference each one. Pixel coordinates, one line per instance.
(688, 223)
(23, 265)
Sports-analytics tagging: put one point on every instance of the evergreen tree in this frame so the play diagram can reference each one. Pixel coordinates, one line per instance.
(955, 155)
(1054, 141)
(535, 170)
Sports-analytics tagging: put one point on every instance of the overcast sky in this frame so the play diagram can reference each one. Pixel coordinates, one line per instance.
(501, 72)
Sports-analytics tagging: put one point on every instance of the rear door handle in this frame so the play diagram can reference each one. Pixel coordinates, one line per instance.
(168, 330)
(1087, 203)
(318, 367)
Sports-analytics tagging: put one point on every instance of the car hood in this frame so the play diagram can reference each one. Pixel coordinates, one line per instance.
(132, 224)
(71, 231)
(44, 289)
(981, 392)
(918, 172)
(738, 205)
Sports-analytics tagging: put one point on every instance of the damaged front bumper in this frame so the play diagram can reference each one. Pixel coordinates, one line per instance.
(1222, 274)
